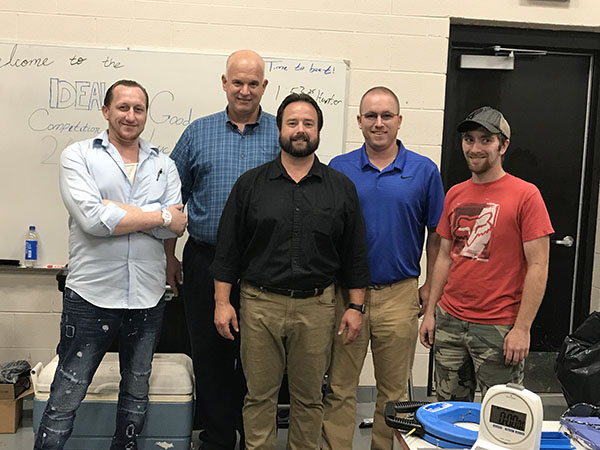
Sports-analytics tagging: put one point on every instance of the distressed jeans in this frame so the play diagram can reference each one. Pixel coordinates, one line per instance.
(86, 333)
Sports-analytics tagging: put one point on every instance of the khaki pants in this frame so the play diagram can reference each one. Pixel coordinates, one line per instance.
(279, 332)
(390, 324)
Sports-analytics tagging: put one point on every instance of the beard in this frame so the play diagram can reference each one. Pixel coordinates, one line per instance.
(290, 145)
(478, 168)
(485, 165)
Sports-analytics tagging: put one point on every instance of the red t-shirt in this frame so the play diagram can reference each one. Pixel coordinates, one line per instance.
(487, 224)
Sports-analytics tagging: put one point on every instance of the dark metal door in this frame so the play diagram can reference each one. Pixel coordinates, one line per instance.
(546, 100)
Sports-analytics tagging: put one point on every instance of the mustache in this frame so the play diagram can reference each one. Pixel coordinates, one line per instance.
(300, 137)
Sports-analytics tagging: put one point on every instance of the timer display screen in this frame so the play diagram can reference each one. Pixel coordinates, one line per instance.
(508, 418)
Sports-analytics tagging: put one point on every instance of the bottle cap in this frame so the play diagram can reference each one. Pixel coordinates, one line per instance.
(32, 227)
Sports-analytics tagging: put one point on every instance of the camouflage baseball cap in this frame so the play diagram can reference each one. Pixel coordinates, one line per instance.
(487, 117)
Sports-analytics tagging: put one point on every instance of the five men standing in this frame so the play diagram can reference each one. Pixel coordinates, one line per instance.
(210, 156)
(401, 195)
(292, 230)
(491, 271)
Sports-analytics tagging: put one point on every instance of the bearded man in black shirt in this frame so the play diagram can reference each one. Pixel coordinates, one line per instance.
(291, 230)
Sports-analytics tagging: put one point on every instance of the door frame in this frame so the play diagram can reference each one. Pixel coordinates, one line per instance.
(561, 41)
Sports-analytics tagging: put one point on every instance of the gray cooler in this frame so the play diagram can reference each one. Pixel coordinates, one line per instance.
(169, 417)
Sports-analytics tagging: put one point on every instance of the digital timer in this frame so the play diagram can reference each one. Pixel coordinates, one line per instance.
(511, 418)
(508, 418)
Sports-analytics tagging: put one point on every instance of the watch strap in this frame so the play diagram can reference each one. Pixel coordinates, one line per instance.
(357, 307)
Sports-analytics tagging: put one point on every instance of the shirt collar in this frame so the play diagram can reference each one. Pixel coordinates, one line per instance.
(398, 163)
(276, 169)
(249, 126)
(146, 149)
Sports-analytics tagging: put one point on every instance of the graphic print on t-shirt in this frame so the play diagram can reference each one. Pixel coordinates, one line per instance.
(472, 227)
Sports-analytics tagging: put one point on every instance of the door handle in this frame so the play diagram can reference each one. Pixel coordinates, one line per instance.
(567, 241)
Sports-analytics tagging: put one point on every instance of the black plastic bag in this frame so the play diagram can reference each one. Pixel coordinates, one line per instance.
(17, 373)
(11, 371)
(578, 363)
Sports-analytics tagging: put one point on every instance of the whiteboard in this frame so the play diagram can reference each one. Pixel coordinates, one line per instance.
(52, 96)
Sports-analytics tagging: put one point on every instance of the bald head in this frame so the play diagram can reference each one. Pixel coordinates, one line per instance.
(244, 58)
(244, 84)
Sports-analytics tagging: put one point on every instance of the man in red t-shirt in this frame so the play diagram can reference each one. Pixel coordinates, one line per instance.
(491, 271)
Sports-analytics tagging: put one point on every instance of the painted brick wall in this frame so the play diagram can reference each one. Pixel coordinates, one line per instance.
(398, 43)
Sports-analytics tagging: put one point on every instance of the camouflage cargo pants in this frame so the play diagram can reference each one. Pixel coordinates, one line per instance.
(469, 354)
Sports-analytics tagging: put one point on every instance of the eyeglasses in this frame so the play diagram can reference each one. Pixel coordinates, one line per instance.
(372, 117)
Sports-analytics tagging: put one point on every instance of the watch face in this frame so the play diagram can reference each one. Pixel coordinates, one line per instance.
(166, 217)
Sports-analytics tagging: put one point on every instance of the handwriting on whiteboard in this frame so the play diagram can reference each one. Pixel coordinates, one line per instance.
(313, 67)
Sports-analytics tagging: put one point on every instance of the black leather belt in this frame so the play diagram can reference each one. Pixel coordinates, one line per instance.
(295, 293)
(387, 285)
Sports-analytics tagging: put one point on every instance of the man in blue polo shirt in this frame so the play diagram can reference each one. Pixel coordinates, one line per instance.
(211, 154)
(401, 195)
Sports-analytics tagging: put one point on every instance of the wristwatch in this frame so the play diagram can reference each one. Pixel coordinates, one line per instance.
(166, 217)
(360, 308)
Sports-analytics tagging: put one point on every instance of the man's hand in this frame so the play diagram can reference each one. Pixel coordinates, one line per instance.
(225, 317)
(423, 297)
(516, 346)
(352, 323)
(174, 275)
(178, 219)
(427, 330)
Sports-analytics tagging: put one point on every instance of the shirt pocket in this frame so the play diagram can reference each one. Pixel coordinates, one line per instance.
(327, 224)
(325, 231)
(154, 186)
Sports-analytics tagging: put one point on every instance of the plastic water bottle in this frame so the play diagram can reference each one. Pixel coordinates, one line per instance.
(31, 247)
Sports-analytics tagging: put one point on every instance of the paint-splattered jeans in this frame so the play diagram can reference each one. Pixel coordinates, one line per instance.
(86, 333)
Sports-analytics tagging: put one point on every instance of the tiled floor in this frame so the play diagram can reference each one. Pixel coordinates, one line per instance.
(554, 406)
(23, 438)
(362, 436)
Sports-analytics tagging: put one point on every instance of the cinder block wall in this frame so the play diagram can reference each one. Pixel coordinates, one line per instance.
(398, 43)
(30, 307)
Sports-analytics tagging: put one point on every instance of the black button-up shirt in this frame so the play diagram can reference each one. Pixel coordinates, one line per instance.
(278, 233)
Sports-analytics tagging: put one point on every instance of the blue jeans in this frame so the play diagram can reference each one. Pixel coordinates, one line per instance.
(86, 333)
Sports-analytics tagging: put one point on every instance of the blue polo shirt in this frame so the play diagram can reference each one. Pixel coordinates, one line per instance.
(398, 203)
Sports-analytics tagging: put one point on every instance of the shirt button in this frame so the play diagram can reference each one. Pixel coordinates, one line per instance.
(297, 209)
(243, 155)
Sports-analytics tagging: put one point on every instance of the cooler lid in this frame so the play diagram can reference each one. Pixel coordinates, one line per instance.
(172, 374)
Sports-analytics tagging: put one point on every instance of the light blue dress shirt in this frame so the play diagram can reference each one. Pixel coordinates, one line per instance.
(126, 271)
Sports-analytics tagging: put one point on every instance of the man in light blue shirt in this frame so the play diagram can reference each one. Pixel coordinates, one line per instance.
(124, 199)
(211, 154)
